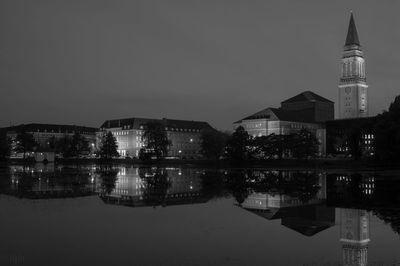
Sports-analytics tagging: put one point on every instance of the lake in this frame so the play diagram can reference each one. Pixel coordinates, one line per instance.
(123, 215)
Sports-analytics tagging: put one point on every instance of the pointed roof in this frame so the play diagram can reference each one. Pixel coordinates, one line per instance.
(282, 115)
(352, 35)
(307, 96)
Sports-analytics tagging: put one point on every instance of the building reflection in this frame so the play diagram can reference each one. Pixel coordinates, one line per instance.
(136, 187)
(307, 202)
(46, 181)
(297, 198)
(356, 196)
(311, 202)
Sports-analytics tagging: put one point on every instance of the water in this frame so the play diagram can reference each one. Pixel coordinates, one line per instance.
(92, 215)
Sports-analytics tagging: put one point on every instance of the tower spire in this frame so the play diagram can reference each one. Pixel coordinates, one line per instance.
(352, 35)
(352, 87)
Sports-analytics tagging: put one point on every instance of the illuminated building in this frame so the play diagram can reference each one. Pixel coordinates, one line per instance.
(46, 134)
(305, 110)
(183, 134)
(345, 136)
(353, 92)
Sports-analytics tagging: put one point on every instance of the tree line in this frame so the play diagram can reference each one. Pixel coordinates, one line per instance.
(67, 146)
(240, 146)
(385, 129)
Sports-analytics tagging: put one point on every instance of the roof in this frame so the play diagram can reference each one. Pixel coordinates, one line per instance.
(34, 127)
(306, 227)
(294, 116)
(304, 116)
(352, 35)
(265, 113)
(135, 123)
(307, 96)
(163, 200)
(270, 213)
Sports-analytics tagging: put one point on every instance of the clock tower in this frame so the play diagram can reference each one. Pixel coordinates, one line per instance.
(353, 93)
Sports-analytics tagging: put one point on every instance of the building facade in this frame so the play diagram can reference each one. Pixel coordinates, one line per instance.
(46, 134)
(183, 134)
(351, 137)
(305, 110)
(353, 89)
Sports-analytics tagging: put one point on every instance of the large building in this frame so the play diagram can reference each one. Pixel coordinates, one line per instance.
(183, 134)
(305, 110)
(353, 102)
(351, 137)
(46, 134)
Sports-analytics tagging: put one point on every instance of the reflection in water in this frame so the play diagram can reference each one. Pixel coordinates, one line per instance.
(157, 187)
(307, 202)
(297, 198)
(108, 179)
(354, 236)
(46, 181)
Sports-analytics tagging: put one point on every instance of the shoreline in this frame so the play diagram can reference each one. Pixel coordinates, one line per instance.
(285, 163)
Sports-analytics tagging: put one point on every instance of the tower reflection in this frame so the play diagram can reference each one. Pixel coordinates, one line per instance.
(354, 236)
(311, 202)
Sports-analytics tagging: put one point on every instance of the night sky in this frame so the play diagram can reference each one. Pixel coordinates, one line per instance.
(85, 61)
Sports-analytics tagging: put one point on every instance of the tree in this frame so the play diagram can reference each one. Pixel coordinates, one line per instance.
(79, 145)
(5, 146)
(72, 146)
(265, 147)
(62, 146)
(304, 144)
(238, 145)
(24, 142)
(354, 140)
(108, 146)
(109, 178)
(52, 143)
(155, 186)
(387, 133)
(156, 139)
(272, 146)
(213, 143)
(239, 185)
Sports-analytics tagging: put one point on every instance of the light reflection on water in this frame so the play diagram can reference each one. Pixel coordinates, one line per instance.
(308, 203)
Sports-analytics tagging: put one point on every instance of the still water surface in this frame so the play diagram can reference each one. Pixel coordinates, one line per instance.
(93, 215)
